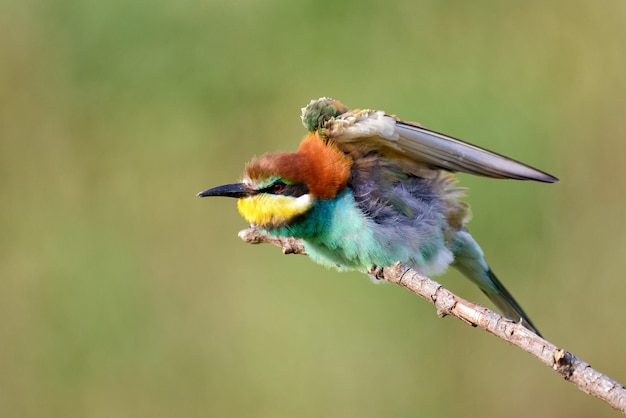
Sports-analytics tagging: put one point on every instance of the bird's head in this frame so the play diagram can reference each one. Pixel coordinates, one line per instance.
(279, 188)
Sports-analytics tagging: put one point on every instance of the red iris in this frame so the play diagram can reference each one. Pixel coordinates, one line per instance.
(278, 187)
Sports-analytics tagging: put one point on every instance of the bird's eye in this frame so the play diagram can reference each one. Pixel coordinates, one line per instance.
(278, 187)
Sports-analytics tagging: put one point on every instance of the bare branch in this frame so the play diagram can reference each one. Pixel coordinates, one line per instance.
(562, 362)
(288, 245)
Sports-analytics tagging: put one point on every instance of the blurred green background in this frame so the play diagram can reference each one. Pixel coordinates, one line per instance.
(123, 295)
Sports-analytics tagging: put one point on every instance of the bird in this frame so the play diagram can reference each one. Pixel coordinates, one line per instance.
(366, 190)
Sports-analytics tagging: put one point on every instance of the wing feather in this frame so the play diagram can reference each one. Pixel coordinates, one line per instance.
(386, 133)
(453, 154)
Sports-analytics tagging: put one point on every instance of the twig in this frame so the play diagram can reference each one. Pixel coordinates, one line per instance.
(562, 362)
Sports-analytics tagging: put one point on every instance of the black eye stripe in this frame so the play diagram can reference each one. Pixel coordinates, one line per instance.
(281, 188)
(295, 190)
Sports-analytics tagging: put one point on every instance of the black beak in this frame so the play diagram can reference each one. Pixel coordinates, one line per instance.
(229, 190)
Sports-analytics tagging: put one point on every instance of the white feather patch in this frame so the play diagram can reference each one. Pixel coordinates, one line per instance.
(364, 123)
(438, 264)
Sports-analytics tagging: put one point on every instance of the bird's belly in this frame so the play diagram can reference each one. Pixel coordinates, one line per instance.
(349, 240)
(345, 258)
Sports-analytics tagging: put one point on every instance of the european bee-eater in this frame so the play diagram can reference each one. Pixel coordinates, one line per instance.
(367, 190)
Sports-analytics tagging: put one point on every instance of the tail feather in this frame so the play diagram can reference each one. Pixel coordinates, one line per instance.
(507, 303)
(470, 261)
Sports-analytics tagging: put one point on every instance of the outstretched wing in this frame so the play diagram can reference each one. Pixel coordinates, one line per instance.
(452, 154)
(384, 133)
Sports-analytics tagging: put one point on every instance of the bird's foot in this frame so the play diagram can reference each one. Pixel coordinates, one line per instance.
(376, 274)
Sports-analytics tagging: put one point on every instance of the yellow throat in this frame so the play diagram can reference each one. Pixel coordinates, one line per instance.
(273, 211)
